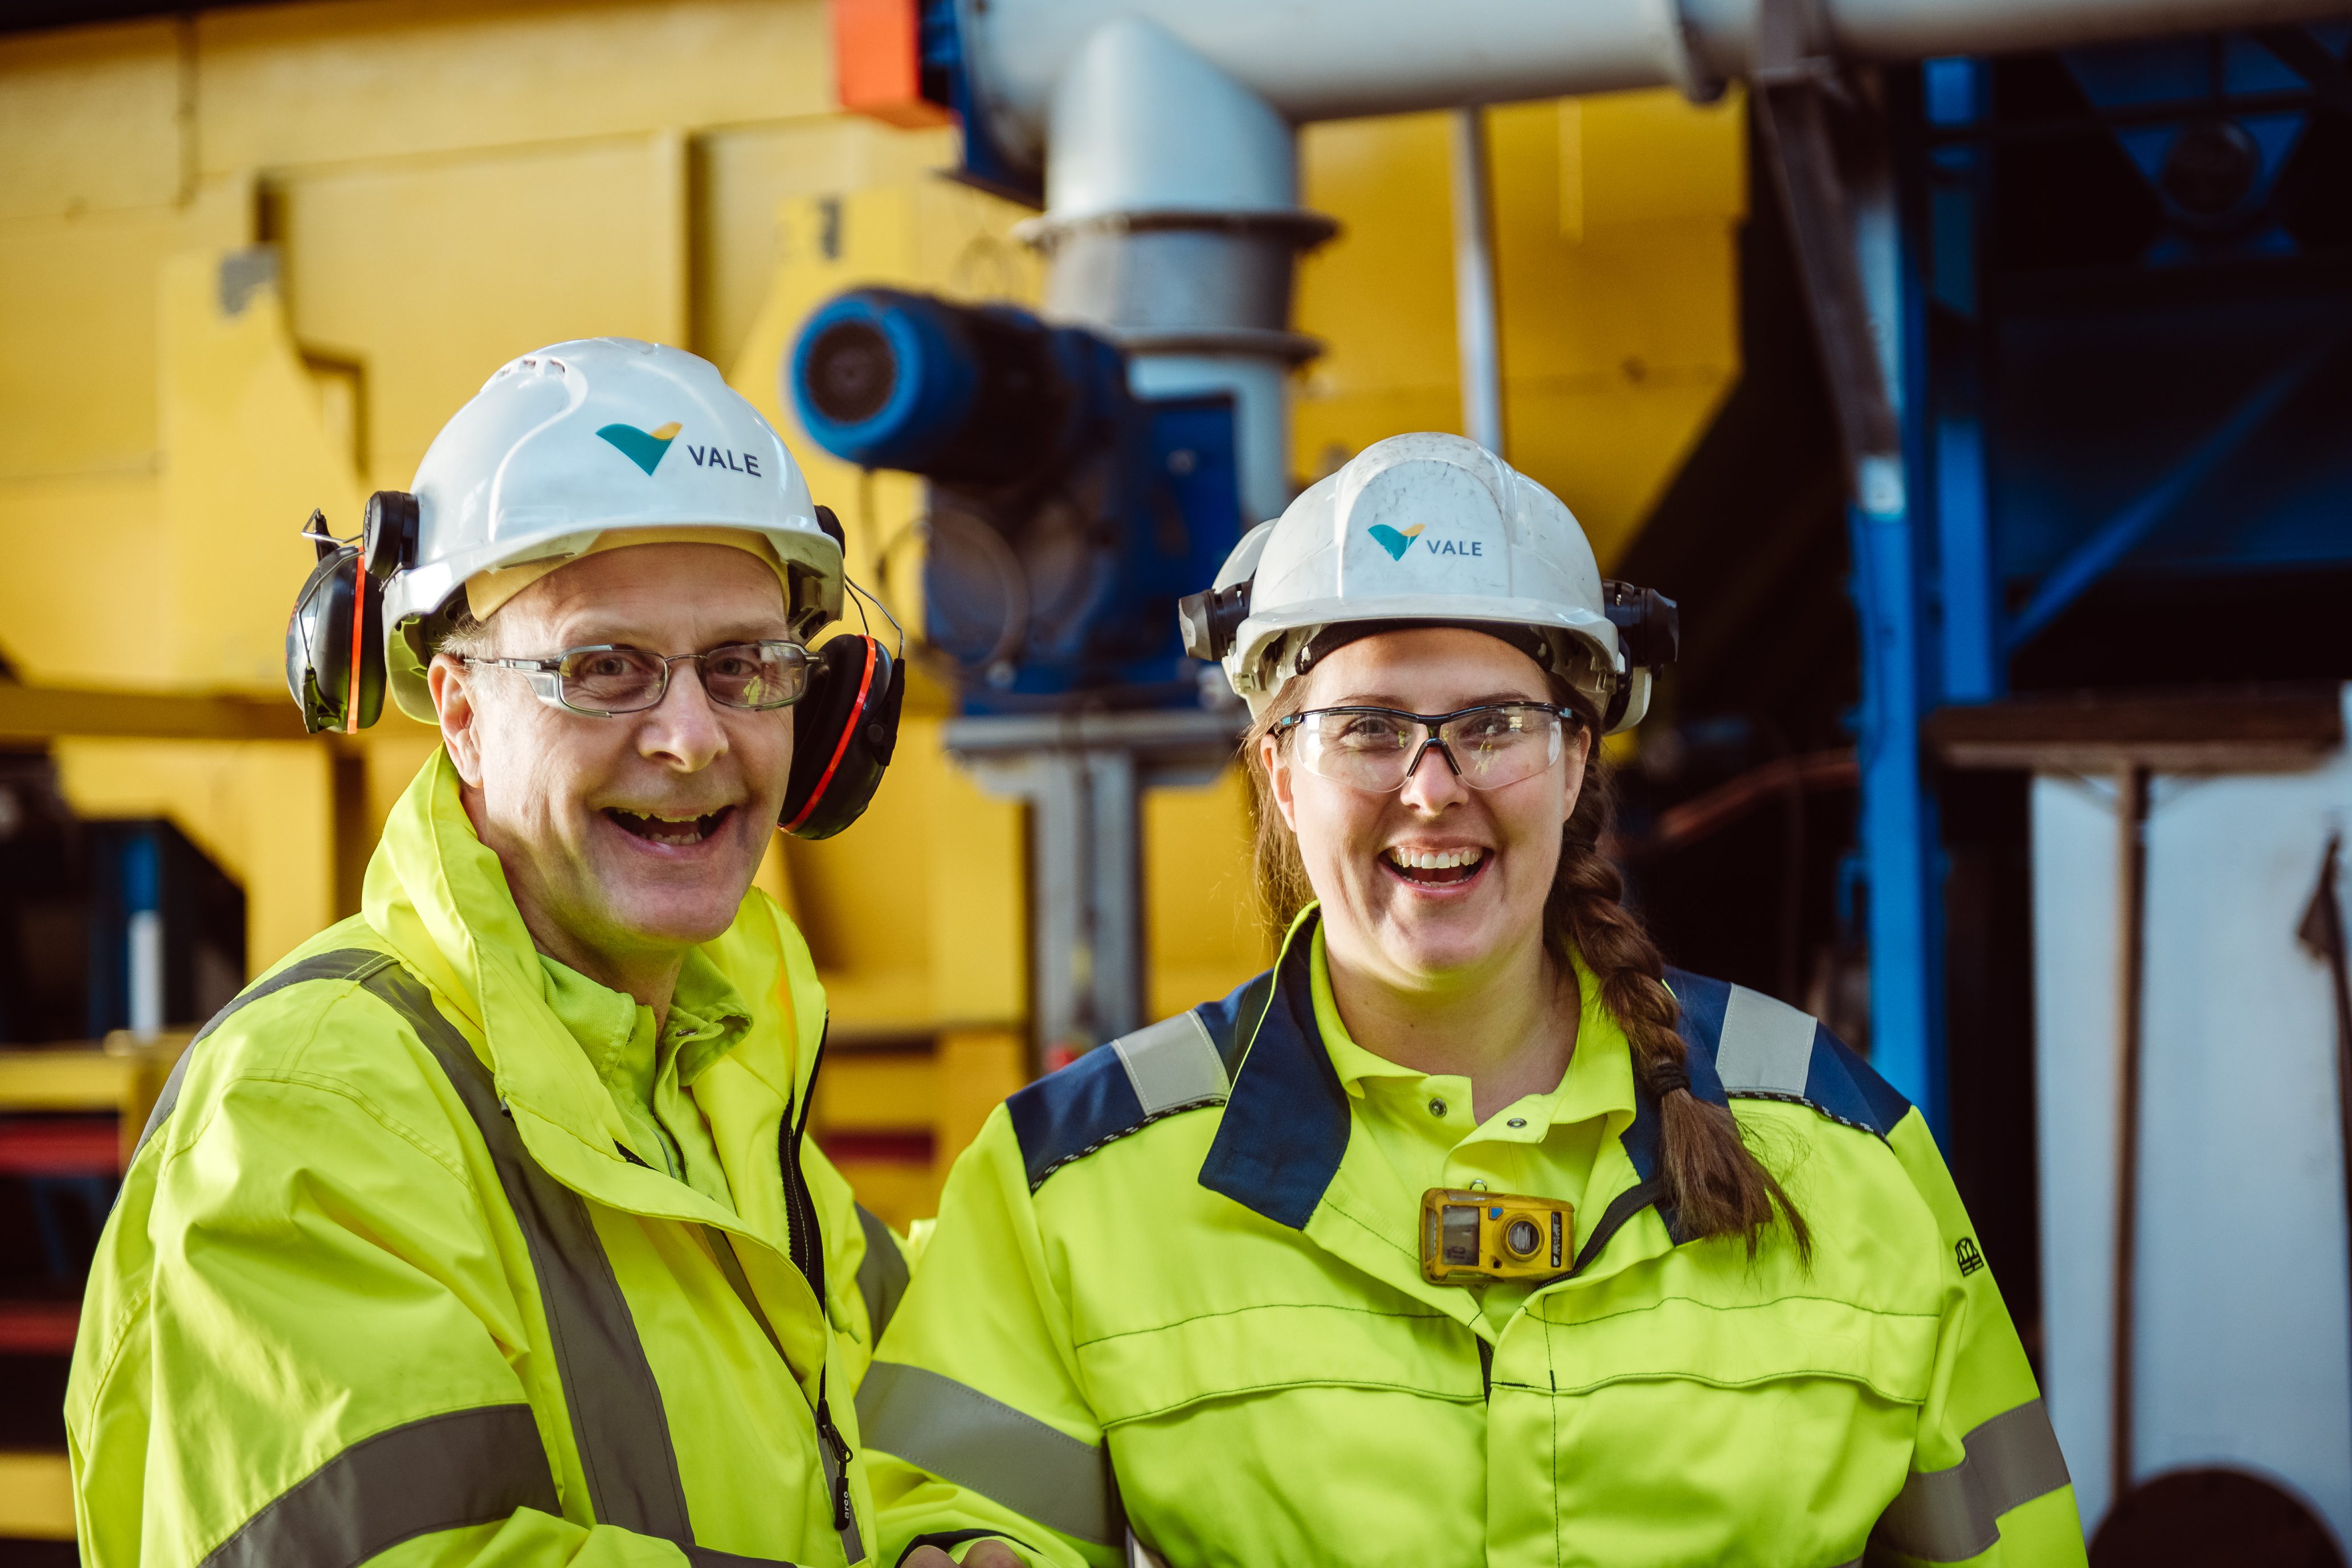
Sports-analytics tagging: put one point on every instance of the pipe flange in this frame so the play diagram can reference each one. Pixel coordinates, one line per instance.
(1302, 229)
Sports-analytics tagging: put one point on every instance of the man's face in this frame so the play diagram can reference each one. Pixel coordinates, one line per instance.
(624, 839)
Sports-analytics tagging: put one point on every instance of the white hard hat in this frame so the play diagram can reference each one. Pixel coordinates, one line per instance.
(1422, 529)
(580, 440)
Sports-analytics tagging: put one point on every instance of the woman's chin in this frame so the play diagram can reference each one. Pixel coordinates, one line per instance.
(1436, 946)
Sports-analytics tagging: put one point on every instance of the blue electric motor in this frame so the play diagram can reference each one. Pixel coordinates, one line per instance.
(1065, 515)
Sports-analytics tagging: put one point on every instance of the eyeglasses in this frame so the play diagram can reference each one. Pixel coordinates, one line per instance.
(1376, 749)
(613, 678)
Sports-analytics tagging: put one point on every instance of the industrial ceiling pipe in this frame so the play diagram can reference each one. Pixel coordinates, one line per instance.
(1166, 132)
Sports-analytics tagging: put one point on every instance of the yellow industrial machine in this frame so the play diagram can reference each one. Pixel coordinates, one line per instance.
(251, 258)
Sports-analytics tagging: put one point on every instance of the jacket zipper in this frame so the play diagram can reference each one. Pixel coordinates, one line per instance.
(807, 1240)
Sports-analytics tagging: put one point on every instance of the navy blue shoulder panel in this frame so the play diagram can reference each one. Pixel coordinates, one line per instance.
(1842, 1085)
(1070, 1113)
(1699, 1008)
(1073, 1110)
(1838, 1082)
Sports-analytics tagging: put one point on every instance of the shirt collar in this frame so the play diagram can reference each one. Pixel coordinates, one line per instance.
(1598, 1081)
(1287, 1122)
(707, 1018)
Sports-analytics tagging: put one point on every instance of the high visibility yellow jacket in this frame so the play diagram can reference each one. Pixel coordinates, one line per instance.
(1174, 1288)
(388, 1283)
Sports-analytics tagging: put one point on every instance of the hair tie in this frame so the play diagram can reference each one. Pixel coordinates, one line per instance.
(1667, 1076)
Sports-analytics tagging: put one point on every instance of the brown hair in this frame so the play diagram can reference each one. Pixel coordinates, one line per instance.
(1713, 1180)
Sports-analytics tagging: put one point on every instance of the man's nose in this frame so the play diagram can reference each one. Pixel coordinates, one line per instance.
(1433, 785)
(682, 728)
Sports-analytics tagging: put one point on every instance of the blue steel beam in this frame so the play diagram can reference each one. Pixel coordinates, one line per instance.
(2120, 534)
(1901, 848)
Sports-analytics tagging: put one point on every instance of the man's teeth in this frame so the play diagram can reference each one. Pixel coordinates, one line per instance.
(661, 828)
(1435, 859)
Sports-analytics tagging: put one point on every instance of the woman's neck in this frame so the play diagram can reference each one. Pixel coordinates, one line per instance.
(1508, 1026)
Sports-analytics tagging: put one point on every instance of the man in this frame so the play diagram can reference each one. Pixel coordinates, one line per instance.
(481, 1229)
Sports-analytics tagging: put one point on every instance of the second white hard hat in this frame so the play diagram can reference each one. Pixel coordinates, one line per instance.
(1429, 528)
(566, 447)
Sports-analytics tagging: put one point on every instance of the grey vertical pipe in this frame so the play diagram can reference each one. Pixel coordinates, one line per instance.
(1115, 818)
(1476, 333)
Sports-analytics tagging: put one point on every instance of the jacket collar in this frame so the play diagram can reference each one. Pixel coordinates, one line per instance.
(1284, 1137)
(439, 898)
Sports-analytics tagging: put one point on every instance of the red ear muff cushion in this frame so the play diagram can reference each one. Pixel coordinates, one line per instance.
(843, 730)
(334, 646)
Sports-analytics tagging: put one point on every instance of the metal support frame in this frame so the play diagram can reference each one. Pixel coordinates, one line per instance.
(1083, 777)
(1478, 337)
(2131, 958)
(1851, 254)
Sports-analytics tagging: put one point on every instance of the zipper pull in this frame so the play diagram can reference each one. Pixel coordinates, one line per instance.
(832, 1437)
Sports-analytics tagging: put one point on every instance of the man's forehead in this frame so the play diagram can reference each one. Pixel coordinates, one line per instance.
(657, 593)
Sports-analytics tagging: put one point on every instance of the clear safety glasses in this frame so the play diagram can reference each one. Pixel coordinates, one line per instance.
(1376, 749)
(614, 677)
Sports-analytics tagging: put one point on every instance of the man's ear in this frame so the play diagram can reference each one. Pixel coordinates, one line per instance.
(452, 689)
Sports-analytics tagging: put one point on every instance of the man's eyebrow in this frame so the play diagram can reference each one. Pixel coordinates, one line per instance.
(589, 631)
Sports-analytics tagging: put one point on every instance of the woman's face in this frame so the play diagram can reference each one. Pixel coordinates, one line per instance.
(1382, 911)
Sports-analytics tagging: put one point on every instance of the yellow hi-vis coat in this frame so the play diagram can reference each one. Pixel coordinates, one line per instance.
(1175, 1289)
(386, 1282)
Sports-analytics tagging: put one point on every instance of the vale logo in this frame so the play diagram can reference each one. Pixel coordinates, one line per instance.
(645, 448)
(1396, 542)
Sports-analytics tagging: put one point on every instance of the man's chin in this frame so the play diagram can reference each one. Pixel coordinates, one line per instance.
(674, 906)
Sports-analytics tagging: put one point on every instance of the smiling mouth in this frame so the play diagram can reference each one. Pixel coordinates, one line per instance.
(1434, 868)
(677, 831)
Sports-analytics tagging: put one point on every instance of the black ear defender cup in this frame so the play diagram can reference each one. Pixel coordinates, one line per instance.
(845, 726)
(334, 639)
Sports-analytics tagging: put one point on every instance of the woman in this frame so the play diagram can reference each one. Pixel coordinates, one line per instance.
(1208, 1288)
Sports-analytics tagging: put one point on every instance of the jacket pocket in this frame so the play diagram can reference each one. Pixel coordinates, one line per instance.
(1763, 1433)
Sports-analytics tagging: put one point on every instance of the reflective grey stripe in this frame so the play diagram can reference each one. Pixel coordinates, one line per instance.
(1949, 1516)
(617, 1421)
(1767, 1046)
(1173, 1064)
(444, 1472)
(344, 963)
(882, 1277)
(960, 1435)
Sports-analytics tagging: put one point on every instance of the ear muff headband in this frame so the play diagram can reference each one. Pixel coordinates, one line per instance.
(361, 589)
(848, 732)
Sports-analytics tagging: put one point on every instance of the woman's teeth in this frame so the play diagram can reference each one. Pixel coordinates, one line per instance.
(660, 829)
(1436, 865)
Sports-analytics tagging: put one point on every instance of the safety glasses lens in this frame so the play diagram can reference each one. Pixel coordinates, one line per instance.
(611, 679)
(1374, 748)
(756, 674)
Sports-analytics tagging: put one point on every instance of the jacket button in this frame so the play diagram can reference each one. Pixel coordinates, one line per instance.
(1518, 1122)
(1437, 1108)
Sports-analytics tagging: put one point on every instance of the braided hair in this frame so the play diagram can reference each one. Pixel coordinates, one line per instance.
(1713, 1182)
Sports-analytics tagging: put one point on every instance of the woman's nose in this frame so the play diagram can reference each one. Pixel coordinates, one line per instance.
(1433, 784)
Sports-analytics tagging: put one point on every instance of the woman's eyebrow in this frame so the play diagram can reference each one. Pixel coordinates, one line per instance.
(1383, 700)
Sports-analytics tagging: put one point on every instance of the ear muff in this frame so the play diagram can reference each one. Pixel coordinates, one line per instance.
(335, 643)
(334, 639)
(844, 728)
